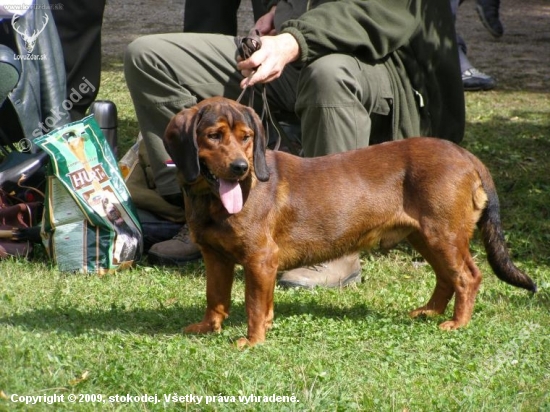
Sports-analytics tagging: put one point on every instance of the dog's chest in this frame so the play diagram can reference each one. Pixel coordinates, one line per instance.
(213, 227)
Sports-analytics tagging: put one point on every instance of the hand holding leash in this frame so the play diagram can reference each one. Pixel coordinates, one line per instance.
(247, 46)
(270, 55)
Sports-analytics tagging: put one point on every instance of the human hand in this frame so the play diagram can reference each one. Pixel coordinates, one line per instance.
(266, 24)
(268, 62)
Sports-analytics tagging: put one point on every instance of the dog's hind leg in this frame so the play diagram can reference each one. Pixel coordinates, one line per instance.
(444, 290)
(219, 281)
(466, 284)
(456, 273)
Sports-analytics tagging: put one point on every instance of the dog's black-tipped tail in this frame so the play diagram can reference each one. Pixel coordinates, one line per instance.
(493, 238)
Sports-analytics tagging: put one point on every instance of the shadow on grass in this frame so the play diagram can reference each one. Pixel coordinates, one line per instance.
(74, 321)
(172, 320)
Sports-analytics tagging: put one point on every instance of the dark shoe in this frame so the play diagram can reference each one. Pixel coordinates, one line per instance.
(156, 229)
(488, 13)
(474, 80)
(176, 251)
(336, 273)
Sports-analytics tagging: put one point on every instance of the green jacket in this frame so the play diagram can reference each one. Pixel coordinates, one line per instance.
(414, 39)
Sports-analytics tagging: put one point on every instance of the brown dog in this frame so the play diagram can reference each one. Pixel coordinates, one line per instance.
(274, 211)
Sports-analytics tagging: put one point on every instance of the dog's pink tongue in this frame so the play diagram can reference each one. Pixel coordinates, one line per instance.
(231, 196)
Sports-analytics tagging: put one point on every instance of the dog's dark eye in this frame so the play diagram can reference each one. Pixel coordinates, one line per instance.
(214, 136)
(247, 137)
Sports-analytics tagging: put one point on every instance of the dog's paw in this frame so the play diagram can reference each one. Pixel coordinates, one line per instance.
(243, 343)
(450, 325)
(423, 312)
(201, 328)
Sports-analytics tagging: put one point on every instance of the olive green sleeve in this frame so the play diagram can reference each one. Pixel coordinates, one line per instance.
(369, 29)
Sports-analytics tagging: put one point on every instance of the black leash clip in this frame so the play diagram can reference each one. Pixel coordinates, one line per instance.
(249, 44)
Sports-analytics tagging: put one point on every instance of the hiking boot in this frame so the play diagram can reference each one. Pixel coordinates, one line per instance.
(488, 13)
(336, 273)
(474, 80)
(176, 251)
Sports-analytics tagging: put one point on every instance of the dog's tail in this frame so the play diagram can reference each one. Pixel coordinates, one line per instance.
(493, 237)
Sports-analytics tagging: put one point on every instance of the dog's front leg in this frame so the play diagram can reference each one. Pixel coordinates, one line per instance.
(260, 278)
(219, 281)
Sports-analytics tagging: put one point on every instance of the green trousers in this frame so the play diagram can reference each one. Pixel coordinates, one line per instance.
(342, 102)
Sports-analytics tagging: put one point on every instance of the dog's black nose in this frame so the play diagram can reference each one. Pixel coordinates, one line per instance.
(239, 167)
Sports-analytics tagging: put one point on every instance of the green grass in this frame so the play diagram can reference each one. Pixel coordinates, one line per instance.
(350, 349)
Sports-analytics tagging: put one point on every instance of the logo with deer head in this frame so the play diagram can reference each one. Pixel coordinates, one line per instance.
(29, 39)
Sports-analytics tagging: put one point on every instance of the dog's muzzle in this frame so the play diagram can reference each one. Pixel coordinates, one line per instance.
(229, 191)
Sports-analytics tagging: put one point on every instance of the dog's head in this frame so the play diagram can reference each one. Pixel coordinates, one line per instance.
(221, 141)
(111, 211)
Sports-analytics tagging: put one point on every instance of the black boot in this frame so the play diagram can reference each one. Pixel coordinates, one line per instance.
(488, 13)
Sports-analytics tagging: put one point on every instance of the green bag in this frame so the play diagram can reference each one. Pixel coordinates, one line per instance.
(90, 224)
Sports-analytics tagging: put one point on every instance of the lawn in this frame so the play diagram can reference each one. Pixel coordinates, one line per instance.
(115, 342)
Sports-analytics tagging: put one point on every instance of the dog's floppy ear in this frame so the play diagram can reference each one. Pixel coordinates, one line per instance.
(260, 146)
(180, 141)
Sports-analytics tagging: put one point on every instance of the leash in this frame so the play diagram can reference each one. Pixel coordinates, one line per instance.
(247, 46)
